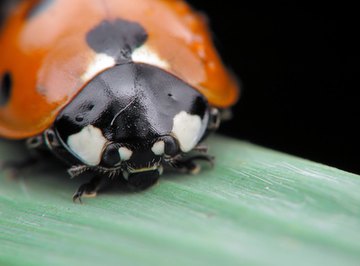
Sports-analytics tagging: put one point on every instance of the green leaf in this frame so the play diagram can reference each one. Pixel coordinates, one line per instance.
(256, 207)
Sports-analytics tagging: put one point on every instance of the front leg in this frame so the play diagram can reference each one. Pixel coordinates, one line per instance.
(89, 189)
(190, 166)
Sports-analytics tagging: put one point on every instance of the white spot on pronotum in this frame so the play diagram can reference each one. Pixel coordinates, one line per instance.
(145, 54)
(125, 153)
(187, 129)
(99, 63)
(158, 148)
(88, 144)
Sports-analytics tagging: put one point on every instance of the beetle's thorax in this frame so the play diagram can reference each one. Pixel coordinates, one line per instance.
(133, 115)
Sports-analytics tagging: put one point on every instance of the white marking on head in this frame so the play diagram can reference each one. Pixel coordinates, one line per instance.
(125, 153)
(158, 148)
(98, 64)
(188, 130)
(145, 54)
(88, 144)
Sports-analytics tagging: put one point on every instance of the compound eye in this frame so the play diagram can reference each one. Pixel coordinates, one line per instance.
(172, 147)
(111, 156)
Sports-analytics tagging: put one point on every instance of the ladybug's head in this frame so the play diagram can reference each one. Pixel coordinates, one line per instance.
(133, 118)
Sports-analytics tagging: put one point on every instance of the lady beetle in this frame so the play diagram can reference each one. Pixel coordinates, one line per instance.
(112, 87)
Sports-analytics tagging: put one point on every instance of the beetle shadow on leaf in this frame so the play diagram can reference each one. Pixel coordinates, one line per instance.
(46, 171)
(50, 172)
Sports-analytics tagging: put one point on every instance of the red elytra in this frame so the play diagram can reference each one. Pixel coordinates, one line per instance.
(46, 55)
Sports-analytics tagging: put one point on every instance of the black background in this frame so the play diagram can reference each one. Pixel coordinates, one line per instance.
(298, 65)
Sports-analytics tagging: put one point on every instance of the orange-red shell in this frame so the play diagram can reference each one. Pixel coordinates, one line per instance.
(47, 54)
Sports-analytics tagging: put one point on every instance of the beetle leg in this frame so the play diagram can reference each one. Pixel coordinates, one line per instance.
(213, 124)
(226, 114)
(78, 170)
(189, 165)
(201, 148)
(88, 189)
(214, 120)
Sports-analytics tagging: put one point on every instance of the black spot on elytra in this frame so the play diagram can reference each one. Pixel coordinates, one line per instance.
(6, 84)
(39, 8)
(117, 39)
